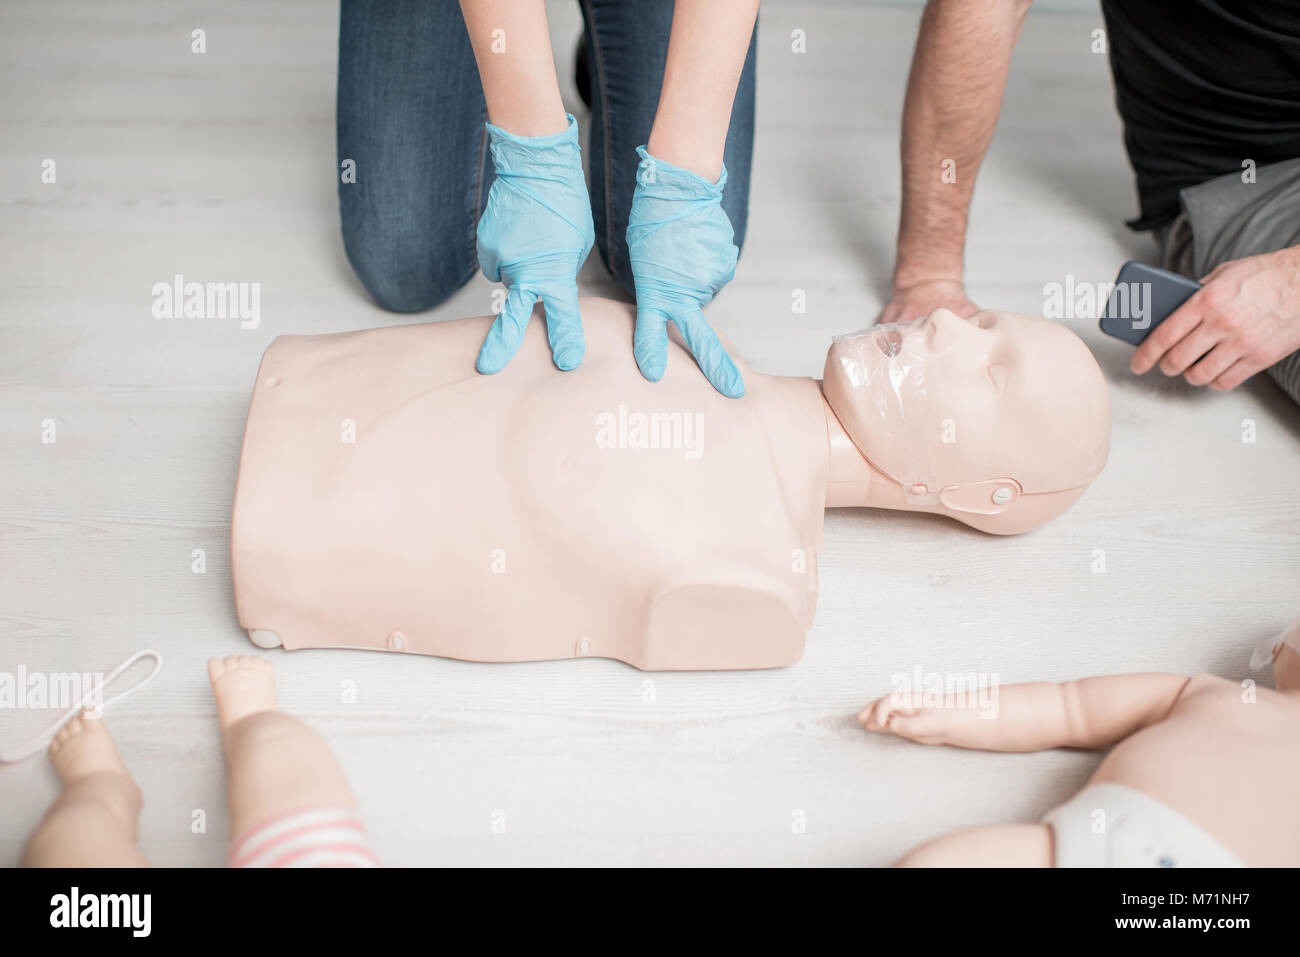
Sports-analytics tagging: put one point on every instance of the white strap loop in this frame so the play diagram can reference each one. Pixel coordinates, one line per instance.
(94, 694)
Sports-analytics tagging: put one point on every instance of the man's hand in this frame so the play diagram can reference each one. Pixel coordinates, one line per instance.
(922, 298)
(1245, 319)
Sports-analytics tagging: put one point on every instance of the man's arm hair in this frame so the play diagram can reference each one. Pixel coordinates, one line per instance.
(954, 93)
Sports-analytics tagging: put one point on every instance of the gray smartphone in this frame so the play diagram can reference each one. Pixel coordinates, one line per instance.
(1144, 296)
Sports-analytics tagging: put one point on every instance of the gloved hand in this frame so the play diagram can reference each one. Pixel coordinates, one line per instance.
(534, 235)
(680, 245)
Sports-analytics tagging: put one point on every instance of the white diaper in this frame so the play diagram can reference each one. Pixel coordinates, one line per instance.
(1109, 825)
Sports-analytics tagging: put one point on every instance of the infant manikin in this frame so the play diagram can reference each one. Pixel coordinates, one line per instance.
(290, 805)
(1202, 771)
(390, 497)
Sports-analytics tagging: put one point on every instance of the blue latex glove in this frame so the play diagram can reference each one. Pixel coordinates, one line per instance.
(534, 235)
(681, 247)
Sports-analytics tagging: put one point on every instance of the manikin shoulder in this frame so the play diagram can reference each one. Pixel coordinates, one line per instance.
(1211, 692)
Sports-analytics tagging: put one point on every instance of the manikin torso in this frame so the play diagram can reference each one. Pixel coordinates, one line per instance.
(582, 513)
(1229, 766)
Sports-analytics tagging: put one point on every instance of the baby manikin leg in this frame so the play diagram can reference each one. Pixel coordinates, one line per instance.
(93, 823)
(1001, 845)
(290, 804)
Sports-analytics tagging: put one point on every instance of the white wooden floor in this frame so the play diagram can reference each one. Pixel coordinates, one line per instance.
(221, 167)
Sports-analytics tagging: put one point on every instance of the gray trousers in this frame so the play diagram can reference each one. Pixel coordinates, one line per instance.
(1225, 218)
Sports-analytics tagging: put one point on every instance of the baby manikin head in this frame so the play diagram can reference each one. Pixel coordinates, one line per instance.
(999, 420)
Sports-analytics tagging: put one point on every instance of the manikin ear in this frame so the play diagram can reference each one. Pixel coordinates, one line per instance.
(1284, 650)
(1286, 669)
(1024, 512)
(990, 497)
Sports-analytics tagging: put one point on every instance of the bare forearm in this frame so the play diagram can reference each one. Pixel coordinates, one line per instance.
(706, 53)
(512, 47)
(954, 93)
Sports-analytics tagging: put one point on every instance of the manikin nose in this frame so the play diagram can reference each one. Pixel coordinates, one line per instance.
(939, 326)
(944, 318)
(946, 325)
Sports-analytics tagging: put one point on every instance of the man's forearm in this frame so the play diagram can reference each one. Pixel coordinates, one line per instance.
(954, 94)
(706, 53)
(512, 47)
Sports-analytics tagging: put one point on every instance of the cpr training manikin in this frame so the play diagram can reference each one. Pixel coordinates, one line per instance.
(1201, 773)
(390, 497)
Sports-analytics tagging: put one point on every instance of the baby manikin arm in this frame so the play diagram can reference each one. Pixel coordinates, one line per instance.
(1035, 716)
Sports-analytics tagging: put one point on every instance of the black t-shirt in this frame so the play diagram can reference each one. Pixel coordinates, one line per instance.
(1202, 85)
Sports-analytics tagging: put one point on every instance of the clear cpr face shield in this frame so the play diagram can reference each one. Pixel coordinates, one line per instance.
(886, 369)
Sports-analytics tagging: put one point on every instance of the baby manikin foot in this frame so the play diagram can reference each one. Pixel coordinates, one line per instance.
(83, 747)
(242, 685)
(84, 755)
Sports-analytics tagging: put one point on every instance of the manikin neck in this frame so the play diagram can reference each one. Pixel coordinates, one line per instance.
(852, 481)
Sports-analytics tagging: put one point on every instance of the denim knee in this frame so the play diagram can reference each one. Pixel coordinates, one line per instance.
(406, 267)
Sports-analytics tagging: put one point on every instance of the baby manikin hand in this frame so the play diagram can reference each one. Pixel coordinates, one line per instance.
(680, 243)
(534, 235)
(904, 715)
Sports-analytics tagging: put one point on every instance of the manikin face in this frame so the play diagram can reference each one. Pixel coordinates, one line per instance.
(944, 401)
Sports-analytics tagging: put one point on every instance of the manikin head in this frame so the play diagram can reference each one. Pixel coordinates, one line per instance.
(999, 420)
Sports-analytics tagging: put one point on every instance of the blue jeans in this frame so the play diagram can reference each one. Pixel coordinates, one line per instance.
(411, 114)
